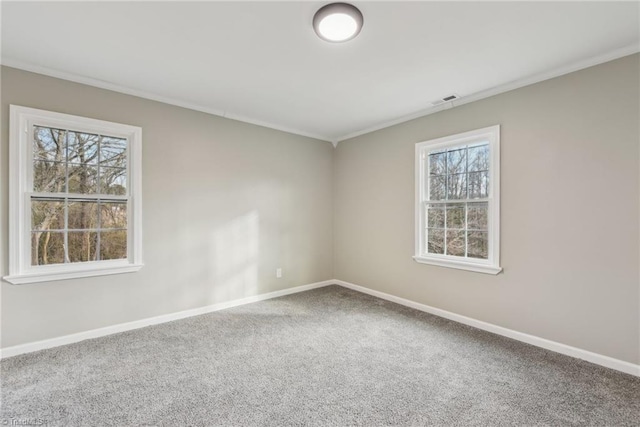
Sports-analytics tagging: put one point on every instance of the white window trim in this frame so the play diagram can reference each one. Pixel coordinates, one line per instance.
(20, 156)
(492, 264)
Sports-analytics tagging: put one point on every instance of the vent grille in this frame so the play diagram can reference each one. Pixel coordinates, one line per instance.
(447, 98)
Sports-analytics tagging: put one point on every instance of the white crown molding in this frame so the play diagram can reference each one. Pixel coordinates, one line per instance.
(516, 84)
(590, 62)
(598, 359)
(13, 63)
(137, 324)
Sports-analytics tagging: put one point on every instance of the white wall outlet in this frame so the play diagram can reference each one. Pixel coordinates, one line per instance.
(278, 273)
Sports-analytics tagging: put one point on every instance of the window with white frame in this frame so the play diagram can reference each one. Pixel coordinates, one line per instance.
(75, 202)
(458, 201)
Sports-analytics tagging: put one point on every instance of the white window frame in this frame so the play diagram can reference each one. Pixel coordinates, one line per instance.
(492, 264)
(22, 120)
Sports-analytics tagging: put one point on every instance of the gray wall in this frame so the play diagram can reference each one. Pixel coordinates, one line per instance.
(224, 204)
(570, 228)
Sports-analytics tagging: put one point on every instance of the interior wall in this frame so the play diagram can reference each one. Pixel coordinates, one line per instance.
(569, 211)
(225, 203)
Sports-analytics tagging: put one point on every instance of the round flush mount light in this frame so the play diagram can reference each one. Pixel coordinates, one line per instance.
(337, 22)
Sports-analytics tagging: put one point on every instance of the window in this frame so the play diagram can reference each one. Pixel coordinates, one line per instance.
(458, 201)
(74, 202)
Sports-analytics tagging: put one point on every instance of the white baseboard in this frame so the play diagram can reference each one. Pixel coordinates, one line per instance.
(595, 358)
(122, 327)
(598, 359)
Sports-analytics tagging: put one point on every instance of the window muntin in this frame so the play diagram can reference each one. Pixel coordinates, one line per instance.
(75, 217)
(75, 207)
(456, 215)
(457, 201)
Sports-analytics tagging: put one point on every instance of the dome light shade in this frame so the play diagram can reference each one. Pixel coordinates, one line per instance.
(337, 22)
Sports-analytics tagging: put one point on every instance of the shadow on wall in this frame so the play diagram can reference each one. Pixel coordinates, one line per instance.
(234, 258)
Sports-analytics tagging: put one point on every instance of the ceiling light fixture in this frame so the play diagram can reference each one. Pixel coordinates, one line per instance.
(337, 22)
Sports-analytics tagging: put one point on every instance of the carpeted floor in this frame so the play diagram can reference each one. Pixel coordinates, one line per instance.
(330, 356)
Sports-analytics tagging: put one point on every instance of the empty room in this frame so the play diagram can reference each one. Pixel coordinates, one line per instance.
(304, 213)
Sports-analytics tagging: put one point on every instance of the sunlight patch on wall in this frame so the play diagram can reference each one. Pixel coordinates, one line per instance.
(235, 258)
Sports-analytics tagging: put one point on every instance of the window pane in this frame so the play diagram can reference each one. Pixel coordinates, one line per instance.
(435, 242)
(455, 242)
(457, 161)
(113, 215)
(438, 164)
(49, 177)
(47, 247)
(82, 148)
(83, 179)
(47, 215)
(457, 187)
(113, 152)
(478, 185)
(435, 216)
(48, 144)
(113, 181)
(437, 188)
(477, 215)
(478, 244)
(82, 246)
(455, 216)
(113, 244)
(478, 158)
(83, 215)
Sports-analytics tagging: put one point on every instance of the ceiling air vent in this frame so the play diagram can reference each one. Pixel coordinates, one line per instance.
(445, 99)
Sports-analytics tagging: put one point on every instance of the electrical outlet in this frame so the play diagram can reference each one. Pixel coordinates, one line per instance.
(278, 273)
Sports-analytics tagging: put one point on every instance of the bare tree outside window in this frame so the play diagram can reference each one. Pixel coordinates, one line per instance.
(457, 213)
(65, 227)
(457, 201)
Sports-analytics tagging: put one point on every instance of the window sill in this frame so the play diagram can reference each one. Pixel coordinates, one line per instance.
(21, 279)
(461, 265)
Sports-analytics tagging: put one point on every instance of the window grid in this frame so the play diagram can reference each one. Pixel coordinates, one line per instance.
(466, 229)
(37, 173)
(66, 197)
(448, 201)
(457, 217)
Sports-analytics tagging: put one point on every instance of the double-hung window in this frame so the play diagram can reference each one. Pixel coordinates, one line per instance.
(75, 202)
(458, 201)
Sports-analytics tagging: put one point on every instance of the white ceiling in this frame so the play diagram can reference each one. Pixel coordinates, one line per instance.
(261, 62)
